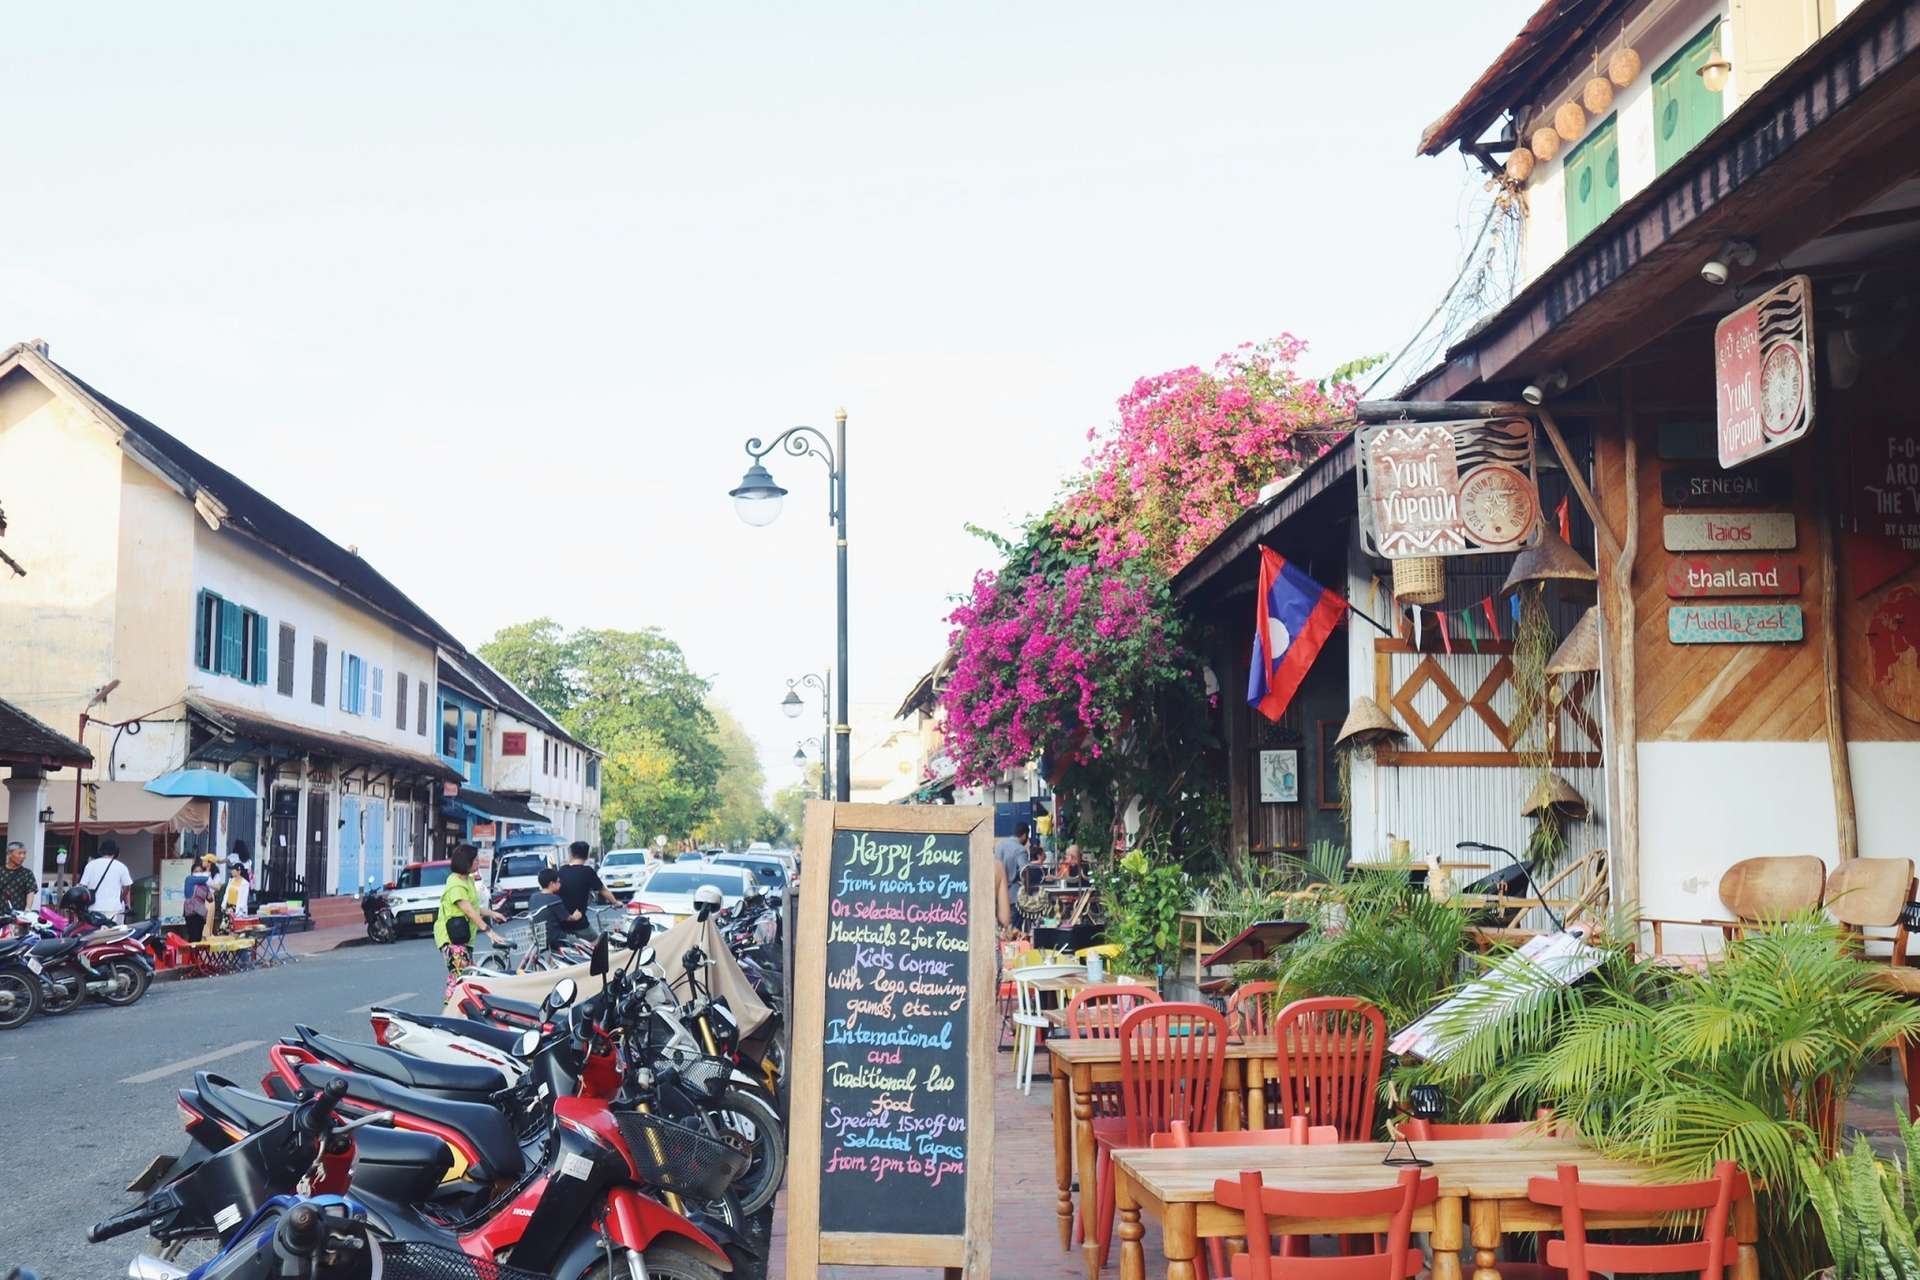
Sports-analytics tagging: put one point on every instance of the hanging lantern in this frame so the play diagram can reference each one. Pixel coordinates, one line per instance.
(1570, 121)
(1367, 726)
(1580, 651)
(1549, 560)
(1520, 164)
(1623, 66)
(1420, 580)
(1545, 144)
(1597, 95)
(1553, 793)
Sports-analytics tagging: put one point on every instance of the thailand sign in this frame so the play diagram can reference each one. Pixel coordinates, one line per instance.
(1734, 624)
(1691, 576)
(1448, 488)
(1711, 487)
(1730, 531)
(1763, 373)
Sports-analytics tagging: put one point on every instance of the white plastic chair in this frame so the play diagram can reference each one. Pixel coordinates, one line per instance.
(1029, 1021)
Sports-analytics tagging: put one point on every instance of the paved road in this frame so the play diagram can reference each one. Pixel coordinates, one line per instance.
(87, 1099)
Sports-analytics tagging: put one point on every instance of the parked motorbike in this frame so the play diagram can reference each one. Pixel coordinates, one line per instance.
(377, 910)
(20, 982)
(111, 964)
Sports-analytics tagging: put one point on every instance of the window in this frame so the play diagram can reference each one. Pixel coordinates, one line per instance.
(353, 684)
(319, 673)
(546, 757)
(286, 660)
(376, 706)
(450, 730)
(229, 640)
(423, 707)
(1684, 109)
(593, 773)
(400, 698)
(1593, 181)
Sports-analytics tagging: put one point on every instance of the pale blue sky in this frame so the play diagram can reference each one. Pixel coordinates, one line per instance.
(495, 291)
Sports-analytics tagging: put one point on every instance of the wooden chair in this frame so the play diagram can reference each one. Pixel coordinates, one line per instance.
(1296, 1132)
(1873, 893)
(1707, 1256)
(1172, 1059)
(1328, 1060)
(1756, 889)
(1095, 1013)
(1260, 1203)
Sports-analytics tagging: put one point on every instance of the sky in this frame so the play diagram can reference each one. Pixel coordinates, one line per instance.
(496, 292)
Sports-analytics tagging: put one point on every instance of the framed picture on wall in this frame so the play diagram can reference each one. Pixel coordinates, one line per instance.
(1329, 772)
(1280, 777)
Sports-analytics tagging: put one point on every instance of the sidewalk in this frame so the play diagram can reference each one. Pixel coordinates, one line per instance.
(314, 941)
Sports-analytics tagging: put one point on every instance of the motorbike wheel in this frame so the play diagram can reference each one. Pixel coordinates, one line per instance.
(19, 998)
(127, 982)
(666, 1260)
(494, 962)
(381, 928)
(64, 986)
(749, 1116)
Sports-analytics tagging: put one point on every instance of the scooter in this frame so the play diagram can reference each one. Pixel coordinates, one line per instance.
(110, 964)
(377, 910)
(20, 983)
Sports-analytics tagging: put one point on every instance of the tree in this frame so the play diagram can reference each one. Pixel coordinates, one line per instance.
(739, 818)
(790, 802)
(537, 656)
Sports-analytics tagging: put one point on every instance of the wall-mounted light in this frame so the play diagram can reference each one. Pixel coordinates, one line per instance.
(1734, 253)
(46, 816)
(1549, 384)
(1715, 70)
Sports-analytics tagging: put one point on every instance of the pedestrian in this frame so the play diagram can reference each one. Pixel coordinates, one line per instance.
(1029, 895)
(197, 902)
(1012, 853)
(546, 913)
(1072, 872)
(461, 915)
(237, 900)
(107, 878)
(579, 884)
(19, 887)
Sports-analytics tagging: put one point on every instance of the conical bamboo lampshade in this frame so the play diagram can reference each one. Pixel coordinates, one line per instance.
(1367, 725)
(1580, 651)
(1550, 560)
(1556, 793)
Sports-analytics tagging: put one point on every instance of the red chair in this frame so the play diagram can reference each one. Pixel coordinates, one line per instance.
(1398, 1261)
(1172, 1059)
(1095, 1013)
(1706, 1257)
(1328, 1057)
(1250, 1009)
(1295, 1133)
(1418, 1130)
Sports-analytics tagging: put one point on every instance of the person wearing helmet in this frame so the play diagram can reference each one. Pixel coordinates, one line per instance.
(707, 901)
(579, 885)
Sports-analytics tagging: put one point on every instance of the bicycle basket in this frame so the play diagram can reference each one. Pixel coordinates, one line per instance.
(400, 1260)
(675, 1158)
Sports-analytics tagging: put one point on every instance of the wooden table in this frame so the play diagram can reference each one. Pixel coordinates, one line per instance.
(1079, 1065)
(1483, 1186)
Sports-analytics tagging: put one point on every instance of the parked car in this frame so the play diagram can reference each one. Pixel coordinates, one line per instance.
(790, 859)
(415, 896)
(516, 877)
(665, 897)
(622, 870)
(768, 870)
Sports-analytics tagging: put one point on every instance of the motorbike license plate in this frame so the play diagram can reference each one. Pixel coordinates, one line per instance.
(424, 917)
(34, 965)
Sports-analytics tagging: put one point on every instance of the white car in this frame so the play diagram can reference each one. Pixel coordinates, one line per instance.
(516, 878)
(666, 896)
(622, 870)
(415, 895)
(761, 849)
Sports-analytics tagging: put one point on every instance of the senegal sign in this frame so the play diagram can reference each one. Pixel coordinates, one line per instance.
(1763, 372)
(1448, 488)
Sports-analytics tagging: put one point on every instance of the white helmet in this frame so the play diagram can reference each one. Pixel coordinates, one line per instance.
(708, 895)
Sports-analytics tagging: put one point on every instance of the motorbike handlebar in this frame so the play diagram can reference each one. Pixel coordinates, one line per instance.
(311, 1119)
(302, 1232)
(159, 1203)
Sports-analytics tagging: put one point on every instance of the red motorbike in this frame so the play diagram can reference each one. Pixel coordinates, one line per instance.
(109, 964)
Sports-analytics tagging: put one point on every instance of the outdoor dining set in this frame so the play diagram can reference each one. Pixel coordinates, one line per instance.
(1253, 1131)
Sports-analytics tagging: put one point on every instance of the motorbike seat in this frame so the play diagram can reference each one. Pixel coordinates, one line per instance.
(487, 1128)
(514, 1010)
(225, 1100)
(490, 1034)
(454, 1080)
(53, 948)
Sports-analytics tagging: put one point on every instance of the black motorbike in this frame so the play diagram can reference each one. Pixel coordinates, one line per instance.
(377, 911)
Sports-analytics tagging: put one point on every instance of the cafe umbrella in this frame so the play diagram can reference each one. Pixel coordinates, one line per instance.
(200, 784)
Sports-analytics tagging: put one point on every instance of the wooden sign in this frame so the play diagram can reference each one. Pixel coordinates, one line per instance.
(1730, 531)
(1712, 487)
(1893, 648)
(1692, 576)
(1448, 488)
(1885, 500)
(1687, 442)
(893, 1041)
(1763, 373)
(1734, 623)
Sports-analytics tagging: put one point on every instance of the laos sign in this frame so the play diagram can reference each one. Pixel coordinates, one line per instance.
(1763, 372)
(1448, 488)
(1730, 531)
(1734, 624)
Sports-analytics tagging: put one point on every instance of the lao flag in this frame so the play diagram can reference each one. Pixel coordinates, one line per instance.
(1293, 618)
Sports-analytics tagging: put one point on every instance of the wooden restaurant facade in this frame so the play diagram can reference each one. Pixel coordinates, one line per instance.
(1717, 343)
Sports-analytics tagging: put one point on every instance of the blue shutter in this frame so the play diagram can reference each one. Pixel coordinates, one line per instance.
(359, 687)
(259, 649)
(346, 682)
(377, 707)
(232, 641)
(201, 655)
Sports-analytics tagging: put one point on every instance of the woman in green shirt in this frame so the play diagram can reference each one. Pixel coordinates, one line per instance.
(461, 915)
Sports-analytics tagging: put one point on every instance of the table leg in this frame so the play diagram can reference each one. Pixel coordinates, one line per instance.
(1256, 1093)
(1180, 1238)
(1483, 1217)
(1231, 1085)
(1446, 1238)
(1062, 1149)
(1085, 1163)
(1133, 1261)
(1746, 1231)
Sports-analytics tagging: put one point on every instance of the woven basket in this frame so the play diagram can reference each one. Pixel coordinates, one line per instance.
(1570, 121)
(1597, 95)
(1420, 580)
(1623, 66)
(1520, 164)
(1545, 144)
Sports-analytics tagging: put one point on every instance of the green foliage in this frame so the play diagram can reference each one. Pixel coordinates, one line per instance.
(1746, 1060)
(1867, 1209)
(1144, 895)
(741, 814)
(1245, 893)
(790, 802)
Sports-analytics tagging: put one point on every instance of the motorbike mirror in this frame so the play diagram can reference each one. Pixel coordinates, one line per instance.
(598, 965)
(646, 957)
(638, 933)
(527, 1043)
(563, 994)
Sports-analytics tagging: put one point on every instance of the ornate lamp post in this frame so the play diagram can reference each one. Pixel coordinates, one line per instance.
(757, 500)
(792, 703)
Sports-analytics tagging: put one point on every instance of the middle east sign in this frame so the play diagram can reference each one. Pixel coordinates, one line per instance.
(1448, 488)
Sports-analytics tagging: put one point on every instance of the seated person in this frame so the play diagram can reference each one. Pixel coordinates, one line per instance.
(547, 913)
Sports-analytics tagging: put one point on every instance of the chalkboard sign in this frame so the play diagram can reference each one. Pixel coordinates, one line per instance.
(893, 1040)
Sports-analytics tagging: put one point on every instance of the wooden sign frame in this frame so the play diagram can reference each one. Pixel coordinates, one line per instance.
(969, 1255)
(1469, 487)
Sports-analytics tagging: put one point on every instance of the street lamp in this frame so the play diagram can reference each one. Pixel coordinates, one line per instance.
(792, 703)
(757, 498)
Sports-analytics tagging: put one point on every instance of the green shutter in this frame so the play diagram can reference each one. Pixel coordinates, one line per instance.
(1684, 109)
(1592, 177)
(259, 649)
(201, 655)
(231, 640)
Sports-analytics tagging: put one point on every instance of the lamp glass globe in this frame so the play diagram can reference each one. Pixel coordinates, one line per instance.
(791, 705)
(757, 509)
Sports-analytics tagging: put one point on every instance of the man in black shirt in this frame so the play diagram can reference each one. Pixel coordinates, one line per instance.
(579, 883)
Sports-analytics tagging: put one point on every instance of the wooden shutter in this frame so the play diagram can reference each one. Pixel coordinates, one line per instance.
(377, 705)
(202, 655)
(286, 660)
(1684, 109)
(400, 699)
(259, 672)
(1592, 181)
(423, 708)
(319, 673)
(1765, 35)
(230, 639)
